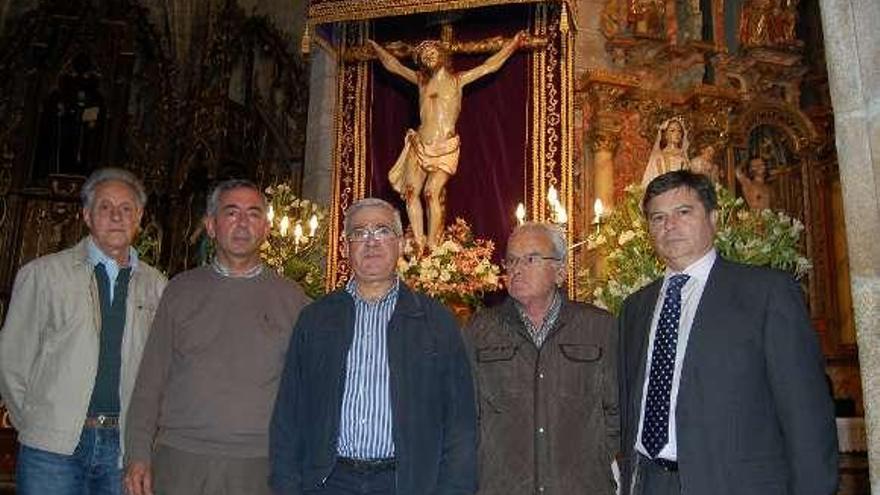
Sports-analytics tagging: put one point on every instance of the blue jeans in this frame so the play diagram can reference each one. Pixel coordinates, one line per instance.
(92, 469)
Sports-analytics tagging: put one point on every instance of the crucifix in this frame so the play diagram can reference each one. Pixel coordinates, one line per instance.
(429, 157)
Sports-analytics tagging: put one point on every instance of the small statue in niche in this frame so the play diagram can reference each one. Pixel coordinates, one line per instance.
(754, 22)
(670, 150)
(647, 18)
(756, 191)
(704, 163)
(782, 29)
(768, 23)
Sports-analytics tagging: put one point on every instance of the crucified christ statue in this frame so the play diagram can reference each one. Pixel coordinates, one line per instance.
(430, 153)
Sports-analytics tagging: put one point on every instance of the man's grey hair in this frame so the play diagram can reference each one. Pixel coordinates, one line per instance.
(228, 185)
(371, 203)
(552, 231)
(98, 177)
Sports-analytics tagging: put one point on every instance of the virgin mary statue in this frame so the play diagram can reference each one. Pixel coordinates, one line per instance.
(670, 150)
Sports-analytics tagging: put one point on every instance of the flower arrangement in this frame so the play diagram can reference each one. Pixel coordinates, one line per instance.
(765, 237)
(297, 240)
(458, 269)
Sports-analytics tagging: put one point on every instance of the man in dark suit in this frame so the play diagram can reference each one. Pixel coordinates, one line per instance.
(722, 385)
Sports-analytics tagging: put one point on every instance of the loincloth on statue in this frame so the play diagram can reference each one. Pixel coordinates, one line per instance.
(429, 157)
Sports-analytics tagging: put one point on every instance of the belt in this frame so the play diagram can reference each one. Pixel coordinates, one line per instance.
(368, 465)
(666, 464)
(102, 421)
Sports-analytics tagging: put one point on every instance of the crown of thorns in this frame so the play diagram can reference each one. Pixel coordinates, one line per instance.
(424, 45)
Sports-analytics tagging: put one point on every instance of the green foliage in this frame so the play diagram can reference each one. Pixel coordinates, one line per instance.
(301, 261)
(764, 237)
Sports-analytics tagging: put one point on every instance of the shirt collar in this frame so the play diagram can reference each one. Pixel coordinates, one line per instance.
(549, 316)
(226, 272)
(698, 269)
(351, 288)
(96, 256)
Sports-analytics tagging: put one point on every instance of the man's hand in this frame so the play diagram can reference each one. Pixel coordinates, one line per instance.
(138, 479)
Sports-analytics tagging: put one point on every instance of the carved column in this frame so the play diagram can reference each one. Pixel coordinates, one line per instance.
(605, 95)
(852, 45)
(604, 145)
(320, 134)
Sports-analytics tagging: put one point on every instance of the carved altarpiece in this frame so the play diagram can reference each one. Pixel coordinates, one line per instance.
(527, 106)
(746, 100)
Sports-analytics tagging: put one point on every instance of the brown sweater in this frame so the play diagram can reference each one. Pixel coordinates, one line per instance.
(212, 363)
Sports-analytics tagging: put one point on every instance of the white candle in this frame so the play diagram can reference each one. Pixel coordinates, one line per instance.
(552, 196)
(561, 216)
(313, 225)
(285, 224)
(598, 210)
(520, 213)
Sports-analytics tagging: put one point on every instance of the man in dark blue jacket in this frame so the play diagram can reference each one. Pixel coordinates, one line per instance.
(377, 395)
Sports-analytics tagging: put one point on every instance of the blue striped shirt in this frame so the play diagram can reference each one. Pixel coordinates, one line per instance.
(365, 423)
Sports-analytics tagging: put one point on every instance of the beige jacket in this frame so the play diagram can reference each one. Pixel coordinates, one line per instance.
(50, 343)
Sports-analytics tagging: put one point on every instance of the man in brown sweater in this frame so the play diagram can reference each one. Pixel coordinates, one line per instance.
(200, 411)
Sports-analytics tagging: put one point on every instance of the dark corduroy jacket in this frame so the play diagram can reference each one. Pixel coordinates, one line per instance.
(548, 417)
(432, 396)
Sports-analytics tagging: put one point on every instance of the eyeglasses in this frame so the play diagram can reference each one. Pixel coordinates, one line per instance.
(364, 234)
(527, 261)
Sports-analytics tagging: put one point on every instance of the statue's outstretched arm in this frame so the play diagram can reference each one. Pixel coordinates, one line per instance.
(393, 65)
(494, 62)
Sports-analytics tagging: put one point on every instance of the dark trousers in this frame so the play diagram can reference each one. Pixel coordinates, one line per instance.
(347, 480)
(652, 479)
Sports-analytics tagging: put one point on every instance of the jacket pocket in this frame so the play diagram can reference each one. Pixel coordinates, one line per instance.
(498, 377)
(579, 371)
(491, 354)
(582, 353)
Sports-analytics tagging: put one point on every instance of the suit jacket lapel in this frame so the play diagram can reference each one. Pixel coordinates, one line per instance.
(711, 305)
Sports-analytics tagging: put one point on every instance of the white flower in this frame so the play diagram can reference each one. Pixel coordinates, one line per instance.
(625, 237)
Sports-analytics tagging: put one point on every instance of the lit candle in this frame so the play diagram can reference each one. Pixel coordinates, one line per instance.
(598, 210)
(552, 196)
(285, 224)
(313, 225)
(561, 216)
(520, 213)
(270, 214)
(297, 233)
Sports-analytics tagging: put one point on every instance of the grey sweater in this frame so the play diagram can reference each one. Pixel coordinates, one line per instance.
(211, 365)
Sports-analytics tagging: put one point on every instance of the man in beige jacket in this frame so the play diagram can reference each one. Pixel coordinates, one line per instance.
(72, 342)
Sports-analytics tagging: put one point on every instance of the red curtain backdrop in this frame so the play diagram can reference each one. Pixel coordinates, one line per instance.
(493, 123)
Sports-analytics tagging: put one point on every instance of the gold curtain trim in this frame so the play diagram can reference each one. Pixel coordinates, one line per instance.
(349, 153)
(360, 10)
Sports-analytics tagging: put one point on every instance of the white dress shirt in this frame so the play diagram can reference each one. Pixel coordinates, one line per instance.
(690, 300)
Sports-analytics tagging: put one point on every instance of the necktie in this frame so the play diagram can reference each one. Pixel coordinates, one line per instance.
(655, 431)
